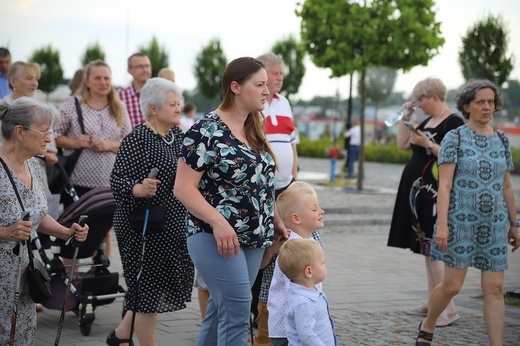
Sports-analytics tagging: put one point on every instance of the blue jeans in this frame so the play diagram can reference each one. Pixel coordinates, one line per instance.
(229, 281)
(353, 154)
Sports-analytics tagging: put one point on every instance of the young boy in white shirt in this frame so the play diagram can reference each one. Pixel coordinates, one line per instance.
(300, 211)
(308, 321)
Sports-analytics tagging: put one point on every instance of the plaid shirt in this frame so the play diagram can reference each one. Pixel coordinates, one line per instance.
(130, 97)
(268, 272)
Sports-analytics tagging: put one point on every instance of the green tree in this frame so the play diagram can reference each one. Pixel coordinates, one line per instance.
(93, 52)
(158, 56)
(49, 61)
(380, 81)
(484, 51)
(292, 53)
(511, 95)
(349, 37)
(210, 63)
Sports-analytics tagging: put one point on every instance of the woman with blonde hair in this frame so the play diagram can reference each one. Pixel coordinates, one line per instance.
(105, 122)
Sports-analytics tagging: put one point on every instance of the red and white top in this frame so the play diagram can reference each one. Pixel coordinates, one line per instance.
(281, 134)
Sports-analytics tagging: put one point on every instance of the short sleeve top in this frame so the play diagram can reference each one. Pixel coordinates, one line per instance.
(237, 181)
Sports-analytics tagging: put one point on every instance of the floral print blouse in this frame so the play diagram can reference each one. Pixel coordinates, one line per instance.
(237, 181)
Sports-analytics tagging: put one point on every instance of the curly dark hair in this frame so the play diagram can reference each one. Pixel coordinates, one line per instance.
(468, 91)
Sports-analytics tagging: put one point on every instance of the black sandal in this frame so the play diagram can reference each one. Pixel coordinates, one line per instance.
(113, 340)
(425, 336)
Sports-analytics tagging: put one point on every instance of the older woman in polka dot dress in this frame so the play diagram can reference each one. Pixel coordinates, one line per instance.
(166, 281)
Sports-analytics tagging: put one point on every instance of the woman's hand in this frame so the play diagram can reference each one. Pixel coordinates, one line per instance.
(147, 189)
(419, 138)
(80, 233)
(441, 237)
(83, 141)
(514, 238)
(51, 158)
(226, 238)
(19, 231)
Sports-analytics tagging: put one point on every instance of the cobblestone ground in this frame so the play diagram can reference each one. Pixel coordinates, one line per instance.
(398, 328)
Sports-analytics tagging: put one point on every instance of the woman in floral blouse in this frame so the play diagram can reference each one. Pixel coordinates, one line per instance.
(225, 178)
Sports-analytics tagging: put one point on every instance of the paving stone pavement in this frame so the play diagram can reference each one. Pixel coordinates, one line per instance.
(368, 284)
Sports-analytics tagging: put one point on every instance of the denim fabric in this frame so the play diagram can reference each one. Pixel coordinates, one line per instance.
(229, 281)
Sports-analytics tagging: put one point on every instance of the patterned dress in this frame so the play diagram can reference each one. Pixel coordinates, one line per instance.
(167, 278)
(477, 215)
(415, 210)
(35, 202)
(237, 181)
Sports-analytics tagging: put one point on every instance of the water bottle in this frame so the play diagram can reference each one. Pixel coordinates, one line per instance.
(403, 112)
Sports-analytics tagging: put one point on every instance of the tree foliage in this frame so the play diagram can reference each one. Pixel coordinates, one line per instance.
(92, 52)
(349, 37)
(210, 63)
(380, 81)
(158, 56)
(51, 70)
(292, 53)
(484, 51)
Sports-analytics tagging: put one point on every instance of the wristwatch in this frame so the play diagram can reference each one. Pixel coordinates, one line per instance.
(514, 223)
(429, 150)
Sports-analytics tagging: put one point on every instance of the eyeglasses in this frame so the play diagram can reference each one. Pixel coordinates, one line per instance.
(44, 133)
(141, 67)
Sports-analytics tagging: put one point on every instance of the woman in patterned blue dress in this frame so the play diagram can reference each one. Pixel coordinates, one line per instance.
(476, 216)
(225, 178)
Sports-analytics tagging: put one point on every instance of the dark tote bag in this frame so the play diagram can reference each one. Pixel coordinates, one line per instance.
(156, 219)
(39, 279)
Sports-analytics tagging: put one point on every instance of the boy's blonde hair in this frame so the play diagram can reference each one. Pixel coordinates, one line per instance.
(291, 200)
(296, 254)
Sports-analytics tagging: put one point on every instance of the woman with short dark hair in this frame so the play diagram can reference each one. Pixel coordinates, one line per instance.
(476, 212)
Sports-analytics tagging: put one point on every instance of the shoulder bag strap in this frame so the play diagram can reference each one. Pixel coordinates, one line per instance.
(31, 264)
(80, 115)
(12, 182)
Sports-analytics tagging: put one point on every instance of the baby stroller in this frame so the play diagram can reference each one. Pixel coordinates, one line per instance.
(89, 289)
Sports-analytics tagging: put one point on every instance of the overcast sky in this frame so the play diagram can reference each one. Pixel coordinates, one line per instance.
(245, 28)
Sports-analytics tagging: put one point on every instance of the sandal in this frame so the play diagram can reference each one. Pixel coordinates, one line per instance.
(113, 340)
(427, 337)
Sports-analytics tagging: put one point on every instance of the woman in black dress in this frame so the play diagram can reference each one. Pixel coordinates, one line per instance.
(415, 209)
(166, 281)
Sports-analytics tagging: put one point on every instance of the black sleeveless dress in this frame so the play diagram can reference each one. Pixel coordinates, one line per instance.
(415, 210)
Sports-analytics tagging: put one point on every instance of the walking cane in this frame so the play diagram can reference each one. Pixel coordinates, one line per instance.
(18, 250)
(70, 241)
(153, 174)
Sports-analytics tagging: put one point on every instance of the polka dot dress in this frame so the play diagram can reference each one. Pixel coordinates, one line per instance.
(167, 278)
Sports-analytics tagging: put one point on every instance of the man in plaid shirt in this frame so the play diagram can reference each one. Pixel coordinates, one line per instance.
(140, 68)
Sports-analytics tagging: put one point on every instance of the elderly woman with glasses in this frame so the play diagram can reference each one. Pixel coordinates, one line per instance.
(26, 131)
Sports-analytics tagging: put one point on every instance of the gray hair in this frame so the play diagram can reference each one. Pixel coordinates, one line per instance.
(269, 59)
(26, 111)
(154, 93)
(468, 91)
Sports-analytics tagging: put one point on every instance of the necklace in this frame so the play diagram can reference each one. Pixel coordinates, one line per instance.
(169, 142)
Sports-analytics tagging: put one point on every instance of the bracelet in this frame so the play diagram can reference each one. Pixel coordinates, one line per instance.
(514, 223)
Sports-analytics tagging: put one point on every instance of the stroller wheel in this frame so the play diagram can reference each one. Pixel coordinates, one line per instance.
(85, 321)
(85, 327)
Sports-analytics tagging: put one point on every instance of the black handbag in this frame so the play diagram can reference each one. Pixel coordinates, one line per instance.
(58, 174)
(38, 278)
(156, 218)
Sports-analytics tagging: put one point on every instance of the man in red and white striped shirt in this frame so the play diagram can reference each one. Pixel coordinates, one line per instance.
(140, 68)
